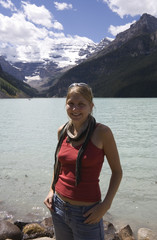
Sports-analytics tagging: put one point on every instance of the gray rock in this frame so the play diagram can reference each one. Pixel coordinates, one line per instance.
(146, 234)
(126, 233)
(110, 231)
(9, 231)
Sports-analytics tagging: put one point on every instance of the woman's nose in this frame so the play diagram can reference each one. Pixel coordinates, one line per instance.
(75, 107)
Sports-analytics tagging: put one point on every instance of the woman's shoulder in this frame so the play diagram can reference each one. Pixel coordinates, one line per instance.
(101, 128)
(59, 130)
(104, 132)
(101, 135)
(106, 135)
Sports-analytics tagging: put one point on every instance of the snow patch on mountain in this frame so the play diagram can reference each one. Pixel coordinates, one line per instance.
(62, 55)
(32, 78)
(70, 53)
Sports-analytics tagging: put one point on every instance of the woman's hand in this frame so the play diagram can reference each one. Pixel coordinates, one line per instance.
(95, 214)
(48, 200)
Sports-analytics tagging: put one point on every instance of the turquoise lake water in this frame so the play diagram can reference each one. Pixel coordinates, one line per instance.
(28, 136)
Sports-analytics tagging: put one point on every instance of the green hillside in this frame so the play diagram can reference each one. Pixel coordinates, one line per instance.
(12, 87)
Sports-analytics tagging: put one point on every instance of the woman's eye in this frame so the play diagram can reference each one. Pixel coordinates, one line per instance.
(71, 104)
(81, 104)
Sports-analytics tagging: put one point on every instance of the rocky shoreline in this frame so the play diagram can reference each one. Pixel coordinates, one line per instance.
(44, 230)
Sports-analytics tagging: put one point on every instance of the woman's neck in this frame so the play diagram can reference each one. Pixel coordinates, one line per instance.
(77, 131)
(78, 126)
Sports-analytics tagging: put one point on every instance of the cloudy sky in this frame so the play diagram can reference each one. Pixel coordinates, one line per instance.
(29, 29)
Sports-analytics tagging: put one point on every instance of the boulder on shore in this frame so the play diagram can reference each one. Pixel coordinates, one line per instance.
(126, 233)
(44, 230)
(9, 231)
(146, 234)
(110, 231)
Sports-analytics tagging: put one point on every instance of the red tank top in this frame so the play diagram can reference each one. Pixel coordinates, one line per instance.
(88, 189)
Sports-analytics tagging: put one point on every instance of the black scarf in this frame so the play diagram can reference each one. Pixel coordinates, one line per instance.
(57, 165)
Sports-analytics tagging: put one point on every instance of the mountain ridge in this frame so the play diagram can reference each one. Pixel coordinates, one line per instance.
(37, 74)
(146, 24)
(125, 67)
(126, 63)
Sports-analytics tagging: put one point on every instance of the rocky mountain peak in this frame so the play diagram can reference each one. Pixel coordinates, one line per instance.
(146, 24)
(103, 43)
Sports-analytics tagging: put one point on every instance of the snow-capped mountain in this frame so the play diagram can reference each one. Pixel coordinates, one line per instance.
(64, 56)
(125, 68)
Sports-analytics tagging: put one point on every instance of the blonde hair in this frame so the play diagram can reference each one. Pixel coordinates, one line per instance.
(80, 88)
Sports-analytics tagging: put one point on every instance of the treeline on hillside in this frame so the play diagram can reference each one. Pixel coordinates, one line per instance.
(13, 87)
(7, 88)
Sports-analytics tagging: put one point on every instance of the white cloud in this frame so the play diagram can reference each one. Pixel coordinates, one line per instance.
(17, 30)
(38, 15)
(62, 6)
(21, 40)
(57, 25)
(24, 38)
(110, 39)
(132, 7)
(114, 30)
(8, 4)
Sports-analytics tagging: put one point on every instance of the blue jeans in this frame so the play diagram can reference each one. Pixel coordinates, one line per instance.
(68, 222)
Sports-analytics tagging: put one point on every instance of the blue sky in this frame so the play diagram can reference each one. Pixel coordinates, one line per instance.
(24, 25)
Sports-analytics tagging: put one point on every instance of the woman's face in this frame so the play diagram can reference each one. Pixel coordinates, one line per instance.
(78, 108)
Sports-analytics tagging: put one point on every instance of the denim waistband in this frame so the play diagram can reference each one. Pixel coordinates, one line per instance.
(66, 204)
(69, 220)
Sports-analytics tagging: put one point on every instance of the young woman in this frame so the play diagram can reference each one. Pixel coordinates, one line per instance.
(75, 197)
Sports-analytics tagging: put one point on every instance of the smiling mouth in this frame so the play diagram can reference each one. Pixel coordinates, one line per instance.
(76, 114)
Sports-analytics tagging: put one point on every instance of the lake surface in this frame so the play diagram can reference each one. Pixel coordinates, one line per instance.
(28, 136)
